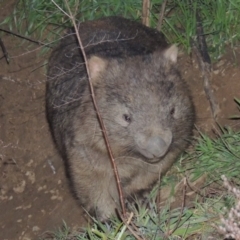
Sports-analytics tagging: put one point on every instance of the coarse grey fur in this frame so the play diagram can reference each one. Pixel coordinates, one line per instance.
(144, 103)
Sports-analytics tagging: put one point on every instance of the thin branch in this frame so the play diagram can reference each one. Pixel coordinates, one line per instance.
(23, 37)
(98, 113)
(158, 199)
(70, 16)
(145, 12)
(127, 222)
(207, 75)
(194, 189)
(5, 53)
(183, 205)
(206, 68)
(201, 40)
(161, 15)
(170, 232)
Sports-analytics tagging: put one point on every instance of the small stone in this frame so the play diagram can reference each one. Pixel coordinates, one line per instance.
(20, 187)
(26, 238)
(29, 164)
(220, 63)
(42, 188)
(36, 229)
(2, 198)
(3, 191)
(31, 176)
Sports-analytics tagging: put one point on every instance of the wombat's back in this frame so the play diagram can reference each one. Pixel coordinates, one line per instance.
(116, 37)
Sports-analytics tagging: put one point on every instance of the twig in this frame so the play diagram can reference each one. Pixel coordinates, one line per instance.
(182, 207)
(205, 64)
(70, 16)
(161, 15)
(23, 37)
(207, 74)
(202, 44)
(145, 12)
(158, 200)
(169, 232)
(137, 230)
(195, 190)
(129, 228)
(98, 113)
(5, 53)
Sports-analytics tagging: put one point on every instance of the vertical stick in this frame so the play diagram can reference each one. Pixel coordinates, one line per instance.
(145, 12)
(161, 15)
(206, 68)
(121, 198)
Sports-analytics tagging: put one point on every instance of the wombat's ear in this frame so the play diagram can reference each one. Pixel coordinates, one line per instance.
(171, 53)
(96, 66)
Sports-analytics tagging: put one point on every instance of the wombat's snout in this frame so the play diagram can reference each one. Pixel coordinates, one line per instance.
(154, 146)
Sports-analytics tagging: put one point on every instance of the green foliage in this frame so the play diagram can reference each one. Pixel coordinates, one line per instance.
(236, 117)
(180, 22)
(152, 223)
(40, 17)
(220, 19)
(215, 157)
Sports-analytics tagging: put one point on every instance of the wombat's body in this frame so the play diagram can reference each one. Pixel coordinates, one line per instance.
(144, 103)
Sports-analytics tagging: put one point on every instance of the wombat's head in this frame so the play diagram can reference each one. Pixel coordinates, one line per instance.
(145, 104)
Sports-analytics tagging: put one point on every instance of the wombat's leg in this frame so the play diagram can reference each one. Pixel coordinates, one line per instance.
(95, 185)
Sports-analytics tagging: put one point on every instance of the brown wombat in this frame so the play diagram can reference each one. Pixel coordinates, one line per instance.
(144, 103)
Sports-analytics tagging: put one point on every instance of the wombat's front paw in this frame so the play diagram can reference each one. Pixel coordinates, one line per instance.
(104, 213)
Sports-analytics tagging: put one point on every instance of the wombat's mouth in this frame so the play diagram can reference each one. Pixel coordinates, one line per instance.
(150, 157)
(147, 154)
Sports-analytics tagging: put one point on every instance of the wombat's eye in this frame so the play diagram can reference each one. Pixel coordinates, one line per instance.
(126, 118)
(172, 111)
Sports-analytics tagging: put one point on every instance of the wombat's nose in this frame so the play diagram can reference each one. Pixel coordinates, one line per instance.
(154, 146)
(157, 146)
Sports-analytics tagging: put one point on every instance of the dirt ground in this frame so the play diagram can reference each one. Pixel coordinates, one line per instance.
(34, 192)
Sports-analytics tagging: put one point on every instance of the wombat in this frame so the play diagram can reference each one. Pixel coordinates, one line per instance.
(145, 105)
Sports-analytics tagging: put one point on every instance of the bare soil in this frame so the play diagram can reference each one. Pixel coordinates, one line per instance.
(34, 192)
